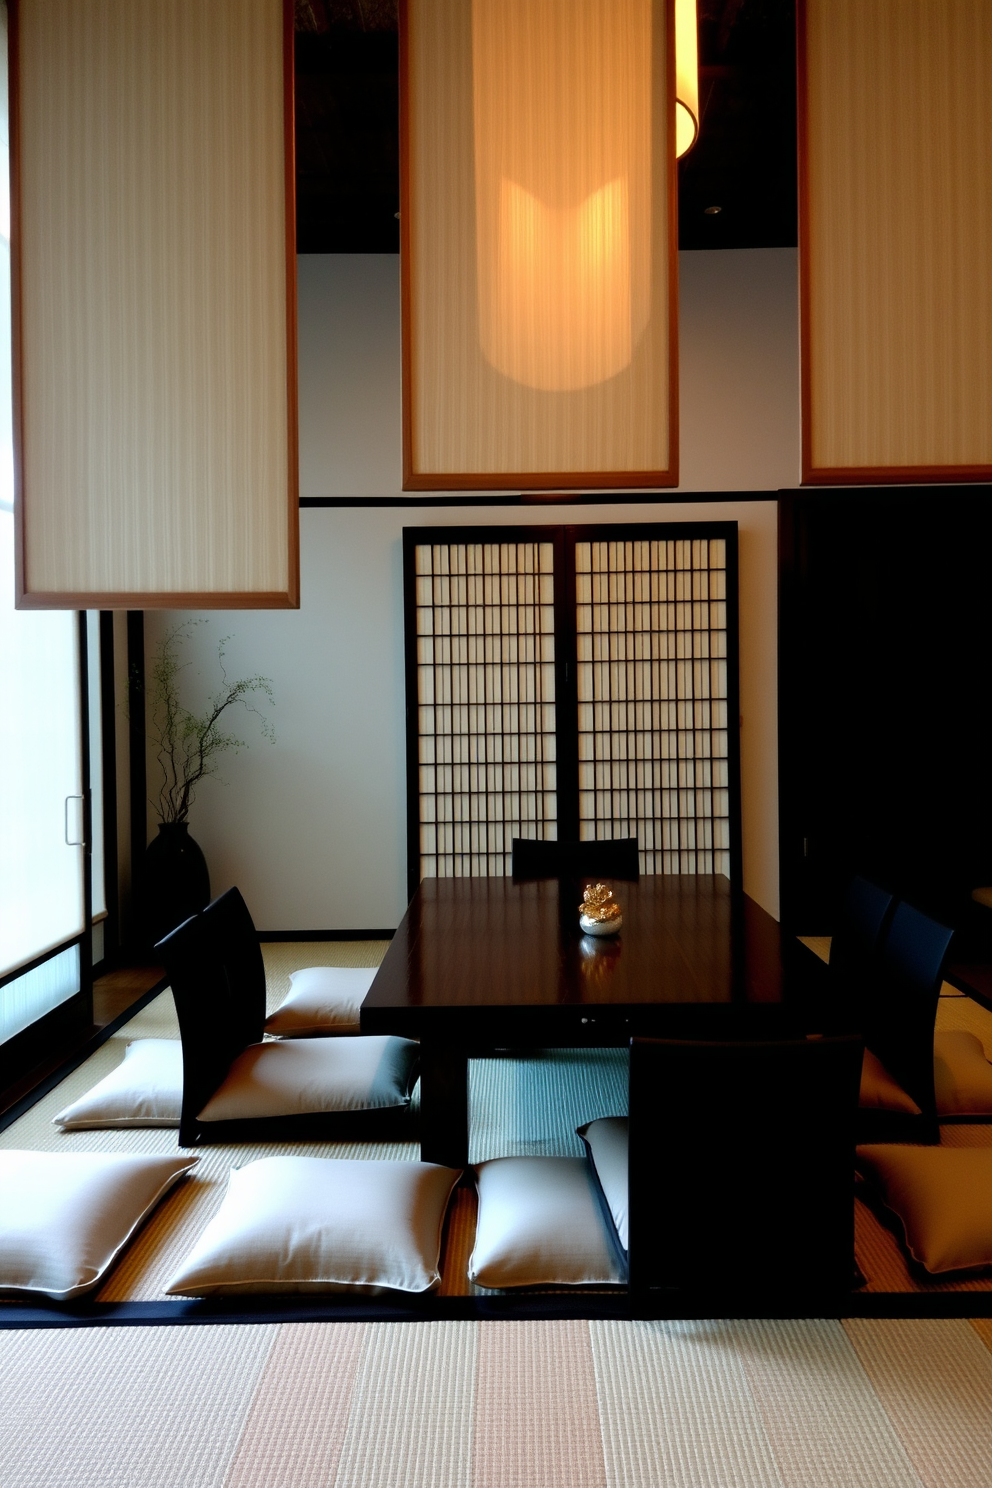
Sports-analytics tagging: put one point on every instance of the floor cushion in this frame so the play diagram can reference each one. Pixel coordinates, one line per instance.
(962, 1076)
(66, 1216)
(306, 1076)
(540, 1224)
(942, 1195)
(146, 1089)
(606, 1141)
(880, 1092)
(308, 1224)
(322, 1000)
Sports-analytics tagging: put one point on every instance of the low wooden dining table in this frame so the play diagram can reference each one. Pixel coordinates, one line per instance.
(489, 963)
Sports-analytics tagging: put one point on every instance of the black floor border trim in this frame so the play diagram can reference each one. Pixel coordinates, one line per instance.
(94, 1042)
(697, 1308)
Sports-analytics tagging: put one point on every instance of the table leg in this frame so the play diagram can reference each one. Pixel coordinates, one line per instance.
(443, 1104)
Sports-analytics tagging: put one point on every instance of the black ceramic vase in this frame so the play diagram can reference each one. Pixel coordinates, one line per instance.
(175, 882)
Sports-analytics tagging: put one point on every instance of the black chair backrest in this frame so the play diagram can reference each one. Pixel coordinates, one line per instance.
(615, 858)
(215, 968)
(864, 918)
(742, 1165)
(901, 1008)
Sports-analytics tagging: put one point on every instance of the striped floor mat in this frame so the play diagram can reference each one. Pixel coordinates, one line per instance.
(797, 1404)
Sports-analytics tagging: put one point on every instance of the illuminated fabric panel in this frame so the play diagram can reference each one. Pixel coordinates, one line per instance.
(154, 305)
(539, 266)
(653, 679)
(896, 239)
(485, 681)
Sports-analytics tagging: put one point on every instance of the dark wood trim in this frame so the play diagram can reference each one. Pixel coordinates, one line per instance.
(406, 289)
(86, 943)
(411, 537)
(16, 317)
(544, 480)
(292, 349)
(137, 764)
(895, 475)
(108, 730)
(802, 134)
(576, 1304)
(672, 167)
(539, 498)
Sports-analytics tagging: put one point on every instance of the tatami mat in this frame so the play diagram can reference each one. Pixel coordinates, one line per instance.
(487, 1404)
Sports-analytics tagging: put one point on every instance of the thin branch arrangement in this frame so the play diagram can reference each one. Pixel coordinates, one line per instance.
(188, 744)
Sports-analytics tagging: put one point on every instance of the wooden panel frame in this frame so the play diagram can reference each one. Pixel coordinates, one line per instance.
(841, 475)
(546, 480)
(132, 600)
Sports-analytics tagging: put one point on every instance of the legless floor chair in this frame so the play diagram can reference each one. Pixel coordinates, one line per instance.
(237, 1088)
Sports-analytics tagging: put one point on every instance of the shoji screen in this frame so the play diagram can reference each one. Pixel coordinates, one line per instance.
(539, 243)
(896, 239)
(154, 303)
(484, 674)
(654, 699)
(572, 682)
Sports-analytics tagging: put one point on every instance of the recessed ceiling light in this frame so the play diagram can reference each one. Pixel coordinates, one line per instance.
(712, 211)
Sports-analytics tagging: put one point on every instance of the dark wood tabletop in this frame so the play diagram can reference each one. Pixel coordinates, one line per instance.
(476, 956)
(487, 962)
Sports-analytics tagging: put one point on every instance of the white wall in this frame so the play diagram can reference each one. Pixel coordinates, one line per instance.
(312, 828)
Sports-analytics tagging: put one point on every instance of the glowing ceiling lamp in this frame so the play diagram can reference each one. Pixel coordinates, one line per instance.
(686, 77)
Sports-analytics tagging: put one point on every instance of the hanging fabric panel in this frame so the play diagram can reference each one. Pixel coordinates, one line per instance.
(896, 239)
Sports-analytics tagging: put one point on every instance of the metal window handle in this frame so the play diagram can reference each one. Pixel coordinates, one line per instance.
(68, 843)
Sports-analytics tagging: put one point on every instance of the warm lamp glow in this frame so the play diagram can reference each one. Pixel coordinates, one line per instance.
(562, 114)
(686, 77)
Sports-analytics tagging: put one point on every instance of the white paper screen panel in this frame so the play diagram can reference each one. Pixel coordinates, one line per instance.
(539, 252)
(485, 703)
(154, 279)
(896, 239)
(653, 691)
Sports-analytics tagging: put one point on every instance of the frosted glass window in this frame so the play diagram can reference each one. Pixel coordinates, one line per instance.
(29, 997)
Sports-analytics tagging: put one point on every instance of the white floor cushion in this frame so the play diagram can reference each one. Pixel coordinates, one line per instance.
(306, 1076)
(322, 1000)
(606, 1141)
(307, 1224)
(962, 1076)
(66, 1216)
(540, 1224)
(880, 1092)
(943, 1196)
(146, 1089)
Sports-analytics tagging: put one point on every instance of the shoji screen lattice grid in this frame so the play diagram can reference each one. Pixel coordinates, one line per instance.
(572, 682)
(652, 682)
(485, 688)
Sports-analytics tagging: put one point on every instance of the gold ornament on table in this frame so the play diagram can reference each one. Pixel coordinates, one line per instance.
(599, 912)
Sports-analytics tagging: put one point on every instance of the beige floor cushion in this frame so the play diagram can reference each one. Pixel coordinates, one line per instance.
(606, 1141)
(66, 1216)
(308, 1224)
(322, 1000)
(962, 1076)
(540, 1224)
(942, 1195)
(880, 1092)
(146, 1089)
(305, 1076)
